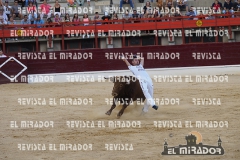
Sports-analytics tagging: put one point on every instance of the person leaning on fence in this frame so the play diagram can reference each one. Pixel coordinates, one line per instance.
(57, 20)
(127, 17)
(135, 17)
(75, 19)
(39, 22)
(106, 18)
(85, 20)
(25, 20)
(178, 14)
(115, 17)
(191, 14)
(97, 18)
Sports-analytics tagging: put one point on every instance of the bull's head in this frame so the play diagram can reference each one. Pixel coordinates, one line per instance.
(119, 84)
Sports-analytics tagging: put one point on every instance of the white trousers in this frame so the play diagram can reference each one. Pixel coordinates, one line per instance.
(147, 88)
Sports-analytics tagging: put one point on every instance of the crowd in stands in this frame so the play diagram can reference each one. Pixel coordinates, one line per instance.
(8, 14)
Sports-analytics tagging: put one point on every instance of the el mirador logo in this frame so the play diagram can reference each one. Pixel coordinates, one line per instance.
(194, 146)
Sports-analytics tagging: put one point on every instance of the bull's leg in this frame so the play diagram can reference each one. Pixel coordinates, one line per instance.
(126, 103)
(112, 107)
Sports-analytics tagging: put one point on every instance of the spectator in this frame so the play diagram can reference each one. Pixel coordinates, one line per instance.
(178, 14)
(182, 4)
(135, 15)
(76, 19)
(235, 5)
(32, 17)
(45, 9)
(2, 21)
(226, 12)
(34, 3)
(147, 8)
(216, 6)
(8, 9)
(228, 5)
(160, 4)
(142, 13)
(219, 3)
(167, 17)
(80, 2)
(191, 14)
(97, 18)
(2, 5)
(39, 22)
(12, 22)
(15, 10)
(169, 3)
(31, 8)
(21, 2)
(238, 5)
(85, 23)
(85, 20)
(106, 17)
(57, 20)
(156, 13)
(1, 54)
(201, 16)
(71, 3)
(115, 17)
(126, 2)
(210, 16)
(127, 16)
(67, 18)
(3, 16)
(49, 22)
(231, 11)
(25, 20)
(57, 8)
(88, 1)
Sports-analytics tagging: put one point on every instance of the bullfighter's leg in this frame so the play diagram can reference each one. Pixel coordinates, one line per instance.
(126, 103)
(112, 107)
(147, 88)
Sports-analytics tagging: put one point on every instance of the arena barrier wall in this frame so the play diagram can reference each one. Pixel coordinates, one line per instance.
(98, 59)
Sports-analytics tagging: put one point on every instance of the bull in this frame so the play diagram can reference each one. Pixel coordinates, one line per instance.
(126, 89)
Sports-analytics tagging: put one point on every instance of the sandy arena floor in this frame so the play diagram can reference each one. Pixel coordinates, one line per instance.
(147, 141)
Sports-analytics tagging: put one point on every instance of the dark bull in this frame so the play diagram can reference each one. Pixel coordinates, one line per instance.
(125, 89)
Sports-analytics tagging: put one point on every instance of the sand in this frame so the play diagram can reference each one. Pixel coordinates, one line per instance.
(147, 140)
